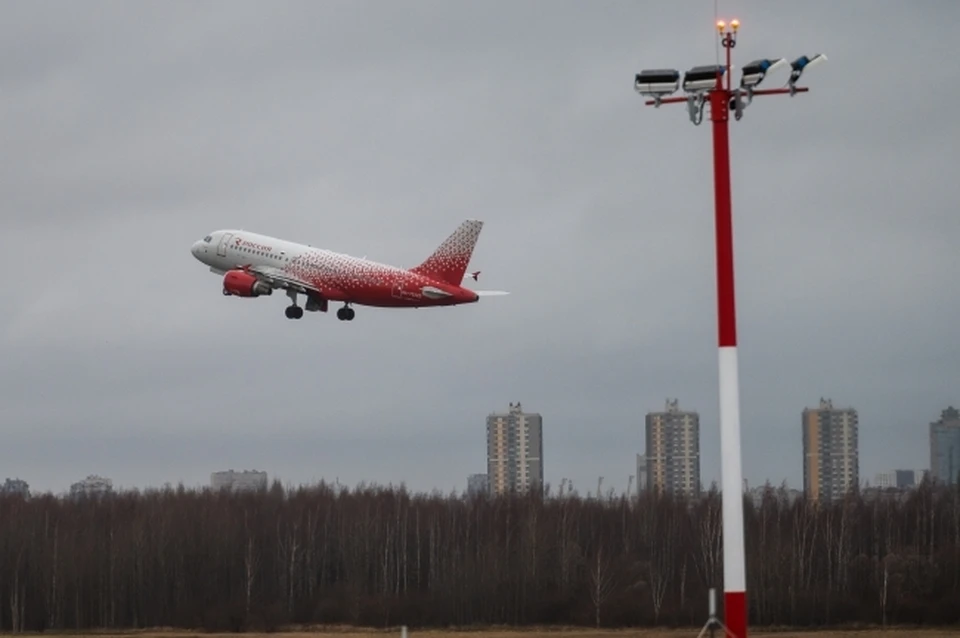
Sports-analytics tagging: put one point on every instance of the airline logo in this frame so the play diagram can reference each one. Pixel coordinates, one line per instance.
(240, 242)
(399, 292)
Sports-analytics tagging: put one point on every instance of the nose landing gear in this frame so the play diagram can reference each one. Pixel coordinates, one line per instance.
(346, 313)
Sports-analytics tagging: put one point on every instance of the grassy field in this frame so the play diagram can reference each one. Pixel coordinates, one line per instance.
(532, 633)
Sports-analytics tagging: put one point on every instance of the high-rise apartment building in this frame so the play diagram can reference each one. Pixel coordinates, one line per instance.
(831, 458)
(514, 451)
(945, 447)
(673, 451)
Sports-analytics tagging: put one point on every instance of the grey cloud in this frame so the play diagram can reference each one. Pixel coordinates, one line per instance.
(131, 130)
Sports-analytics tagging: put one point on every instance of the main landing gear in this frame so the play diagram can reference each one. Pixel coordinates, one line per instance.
(293, 311)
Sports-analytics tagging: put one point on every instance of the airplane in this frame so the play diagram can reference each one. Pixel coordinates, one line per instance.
(253, 265)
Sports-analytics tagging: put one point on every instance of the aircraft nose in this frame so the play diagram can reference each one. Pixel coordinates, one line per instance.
(195, 249)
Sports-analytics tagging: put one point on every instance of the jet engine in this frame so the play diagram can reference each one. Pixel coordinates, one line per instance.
(243, 284)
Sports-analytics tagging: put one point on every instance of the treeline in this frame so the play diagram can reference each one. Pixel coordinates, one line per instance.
(385, 557)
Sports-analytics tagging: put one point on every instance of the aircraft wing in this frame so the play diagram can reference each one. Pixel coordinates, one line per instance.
(280, 279)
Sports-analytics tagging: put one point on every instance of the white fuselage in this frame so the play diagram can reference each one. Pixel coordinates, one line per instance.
(225, 250)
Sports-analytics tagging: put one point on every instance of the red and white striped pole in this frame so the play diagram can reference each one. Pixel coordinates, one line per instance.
(707, 84)
(731, 481)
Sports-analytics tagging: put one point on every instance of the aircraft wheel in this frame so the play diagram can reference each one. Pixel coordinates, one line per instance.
(349, 313)
(293, 312)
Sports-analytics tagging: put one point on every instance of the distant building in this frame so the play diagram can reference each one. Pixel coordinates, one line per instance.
(514, 451)
(93, 485)
(831, 459)
(247, 480)
(673, 451)
(906, 478)
(477, 484)
(945, 447)
(15, 486)
(895, 479)
(885, 480)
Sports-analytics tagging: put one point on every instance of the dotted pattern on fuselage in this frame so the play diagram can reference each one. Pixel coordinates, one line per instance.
(344, 272)
(372, 282)
(345, 278)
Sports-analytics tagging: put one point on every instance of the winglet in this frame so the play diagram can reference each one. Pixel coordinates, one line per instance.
(449, 261)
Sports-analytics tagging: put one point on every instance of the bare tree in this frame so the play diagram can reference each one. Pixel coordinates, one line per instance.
(17, 602)
(374, 556)
(707, 517)
(602, 582)
(251, 561)
(663, 532)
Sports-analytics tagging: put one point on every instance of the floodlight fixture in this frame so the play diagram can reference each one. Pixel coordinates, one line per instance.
(800, 65)
(700, 79)
(754, 73)
(657, 83)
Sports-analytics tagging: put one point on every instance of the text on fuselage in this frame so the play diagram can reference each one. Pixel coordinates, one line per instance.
(245, 243)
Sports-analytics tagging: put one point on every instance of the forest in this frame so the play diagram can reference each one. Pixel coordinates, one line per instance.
(377, 556)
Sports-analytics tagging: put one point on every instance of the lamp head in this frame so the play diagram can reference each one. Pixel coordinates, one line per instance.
(801, 64)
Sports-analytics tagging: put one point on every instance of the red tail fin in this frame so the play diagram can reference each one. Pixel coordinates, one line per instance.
(448, 263)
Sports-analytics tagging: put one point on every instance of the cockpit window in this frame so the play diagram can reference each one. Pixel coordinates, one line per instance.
(208, 238)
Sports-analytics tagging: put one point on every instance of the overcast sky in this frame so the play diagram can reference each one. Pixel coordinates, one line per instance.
(130, 130)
